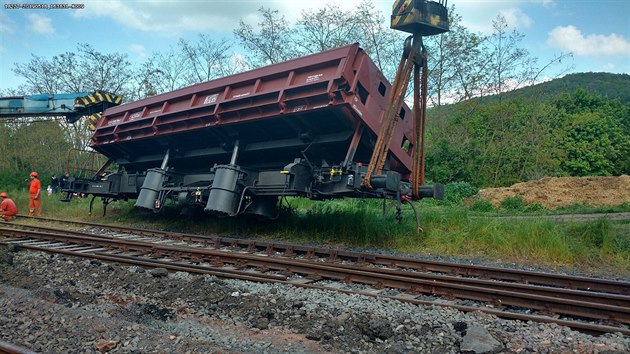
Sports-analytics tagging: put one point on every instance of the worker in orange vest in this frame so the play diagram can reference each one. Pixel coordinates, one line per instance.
(8, 209)
(35, 200)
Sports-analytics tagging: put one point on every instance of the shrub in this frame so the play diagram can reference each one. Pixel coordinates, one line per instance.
(513, 203)
(12, 180)
(456, 192)
(535, 207)
(481, 205)
(594, 234)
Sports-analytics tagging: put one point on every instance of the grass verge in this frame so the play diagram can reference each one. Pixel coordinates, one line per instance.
(451, 230)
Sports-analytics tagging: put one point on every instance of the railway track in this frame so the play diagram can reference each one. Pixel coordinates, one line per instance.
(9, 348)
(587, 304)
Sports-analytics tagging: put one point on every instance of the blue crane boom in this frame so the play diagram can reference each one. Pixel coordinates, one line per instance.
(72, 106)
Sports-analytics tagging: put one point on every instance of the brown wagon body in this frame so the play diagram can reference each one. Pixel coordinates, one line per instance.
(235, 145)
(317, 101)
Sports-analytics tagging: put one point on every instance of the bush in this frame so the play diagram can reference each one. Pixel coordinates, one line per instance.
(12, 180)
(481, 205)
(535, 207)
(457, 191)
(594, 234)
(515, 203)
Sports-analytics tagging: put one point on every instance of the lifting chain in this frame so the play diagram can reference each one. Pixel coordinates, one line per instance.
(414, 56)
(392, 113)
(419, 119)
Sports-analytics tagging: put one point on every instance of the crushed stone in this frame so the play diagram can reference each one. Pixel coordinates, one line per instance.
(60, 304)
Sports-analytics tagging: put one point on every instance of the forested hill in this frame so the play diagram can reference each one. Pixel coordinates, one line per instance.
(578, 125)
(607, 85)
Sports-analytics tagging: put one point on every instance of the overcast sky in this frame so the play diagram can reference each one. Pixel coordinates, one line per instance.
(597, 32)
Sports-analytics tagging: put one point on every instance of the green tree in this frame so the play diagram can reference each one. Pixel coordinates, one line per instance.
(325, 28)
(274, 40)
(496, 143)
(593, 137)
(34, 145)
(207, 59)
(83, 70)
(271, 42)
(508, 62)
(456, 65)
(381, 43)
(446, 160)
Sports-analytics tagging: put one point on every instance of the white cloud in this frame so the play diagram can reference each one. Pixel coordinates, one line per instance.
(546, 3)
(6, 24)
(569, 38)
(477, 15)
(609, 67)
(174, 17)
(40, 24)
(139, 50)
(293, 9)
(516, 18)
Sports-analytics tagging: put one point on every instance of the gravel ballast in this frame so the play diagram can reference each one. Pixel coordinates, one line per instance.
(58, 304)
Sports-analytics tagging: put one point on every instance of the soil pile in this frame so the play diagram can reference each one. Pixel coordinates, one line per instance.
(554, 192)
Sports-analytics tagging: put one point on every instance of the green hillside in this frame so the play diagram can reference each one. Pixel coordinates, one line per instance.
(607, 85)
(578, 125)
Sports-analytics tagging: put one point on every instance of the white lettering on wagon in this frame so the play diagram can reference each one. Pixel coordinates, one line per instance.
(313, 78)
(114, 121)
(134, 115)
(211, 99)
(241, 95)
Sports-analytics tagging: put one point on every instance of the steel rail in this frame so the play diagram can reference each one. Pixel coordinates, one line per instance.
(455, 269)
(9, 348)
(321, 270)
(86, 251)
(591, 328)
(190, 268)
(570, 294)
(326, 271)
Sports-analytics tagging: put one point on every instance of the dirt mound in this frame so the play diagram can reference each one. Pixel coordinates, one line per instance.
(553, 192)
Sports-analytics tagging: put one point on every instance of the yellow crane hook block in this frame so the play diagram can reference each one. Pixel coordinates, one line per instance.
(425, 18)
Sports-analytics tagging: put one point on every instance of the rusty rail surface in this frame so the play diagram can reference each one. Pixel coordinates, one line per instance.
(568, 294)
(610, 308)
(421, 265)
(9, 348)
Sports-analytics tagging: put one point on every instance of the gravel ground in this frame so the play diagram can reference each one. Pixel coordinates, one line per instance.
(57, 304)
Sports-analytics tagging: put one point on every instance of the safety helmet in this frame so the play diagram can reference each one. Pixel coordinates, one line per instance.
(3, 195)
(33, 174)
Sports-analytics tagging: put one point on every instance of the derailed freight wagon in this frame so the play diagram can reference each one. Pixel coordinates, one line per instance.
(236, 145)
